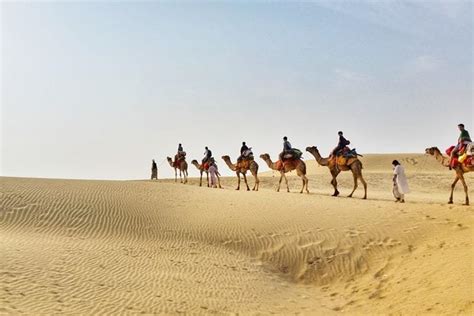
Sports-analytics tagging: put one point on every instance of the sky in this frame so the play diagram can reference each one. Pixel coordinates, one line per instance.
(95, 90)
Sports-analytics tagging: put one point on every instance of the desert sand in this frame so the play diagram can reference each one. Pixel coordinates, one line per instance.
(94, 247)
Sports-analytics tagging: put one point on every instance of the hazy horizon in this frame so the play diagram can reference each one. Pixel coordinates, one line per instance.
(96, 90)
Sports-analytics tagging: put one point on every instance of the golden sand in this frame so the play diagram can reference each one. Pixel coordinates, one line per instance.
(93, 247)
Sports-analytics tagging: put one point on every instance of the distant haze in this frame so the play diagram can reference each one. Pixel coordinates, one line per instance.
(96, 90)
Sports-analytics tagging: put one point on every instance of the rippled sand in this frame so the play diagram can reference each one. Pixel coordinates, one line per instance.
(71, 246)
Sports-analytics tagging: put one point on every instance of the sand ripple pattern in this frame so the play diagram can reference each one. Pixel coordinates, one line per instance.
(109, 247)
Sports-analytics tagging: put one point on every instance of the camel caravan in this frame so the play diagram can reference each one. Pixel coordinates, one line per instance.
(460, 158)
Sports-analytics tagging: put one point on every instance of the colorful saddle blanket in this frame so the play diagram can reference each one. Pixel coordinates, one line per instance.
(281, 165)
(346, 152)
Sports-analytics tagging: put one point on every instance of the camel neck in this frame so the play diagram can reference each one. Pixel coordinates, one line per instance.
(270, 164)
(320, 160)
(230, 164)
(443, 160)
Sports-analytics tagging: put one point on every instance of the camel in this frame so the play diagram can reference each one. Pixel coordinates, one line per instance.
(241, 168)
(297, 165)
(353, 164)
(202, 170)
(460, 170)
(183, 168)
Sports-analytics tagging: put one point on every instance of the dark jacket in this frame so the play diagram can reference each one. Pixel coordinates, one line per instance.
(343, 142)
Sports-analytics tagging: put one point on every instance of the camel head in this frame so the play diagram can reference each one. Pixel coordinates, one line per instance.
(265, 157)
(225, 157)
(169, 159)
(312, 149)
(194, 162)
(432, 151)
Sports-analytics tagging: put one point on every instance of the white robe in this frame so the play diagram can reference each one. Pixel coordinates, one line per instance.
(402, 182)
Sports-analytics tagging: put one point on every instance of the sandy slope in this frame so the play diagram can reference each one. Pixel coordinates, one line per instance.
(70, 246)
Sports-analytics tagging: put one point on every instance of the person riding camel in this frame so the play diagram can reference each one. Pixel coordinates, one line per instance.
(286, 148)
(341, 145)
(207, 155)
(244, 152)
(463, 140)
(181, 152)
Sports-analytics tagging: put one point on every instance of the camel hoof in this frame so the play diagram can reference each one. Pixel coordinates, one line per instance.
(248, 189)
(349, 196)
(237, 189)
(364, 198)
(450, 202)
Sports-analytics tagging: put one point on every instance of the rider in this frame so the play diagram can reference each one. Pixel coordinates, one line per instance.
(341, 145)
(463, 139)
(243, 150)
(180, 151)
(207, 155)
(286, 148)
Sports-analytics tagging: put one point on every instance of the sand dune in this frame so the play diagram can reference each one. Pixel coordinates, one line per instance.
(72, 246)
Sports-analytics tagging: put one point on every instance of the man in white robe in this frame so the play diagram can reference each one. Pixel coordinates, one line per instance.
(400, 183)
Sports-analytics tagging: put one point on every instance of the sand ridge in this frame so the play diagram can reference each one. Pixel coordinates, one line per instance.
(74, 246)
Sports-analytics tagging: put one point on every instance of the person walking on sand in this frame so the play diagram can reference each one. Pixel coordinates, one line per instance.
(400, 183)
(213, 171)
(154, 170)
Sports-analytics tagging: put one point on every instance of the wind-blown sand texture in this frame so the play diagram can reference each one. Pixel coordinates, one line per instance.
(94, 247)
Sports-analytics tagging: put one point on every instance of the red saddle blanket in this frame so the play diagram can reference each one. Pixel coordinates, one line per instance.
(280, 165)
(469, 161)
(460, 151)
(177, 161)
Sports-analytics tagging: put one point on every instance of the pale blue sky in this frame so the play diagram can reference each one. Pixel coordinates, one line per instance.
(98, 89)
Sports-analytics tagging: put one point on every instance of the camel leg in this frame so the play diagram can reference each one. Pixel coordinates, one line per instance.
(465, 188)
(286, 181)
(185, 176)
(200, 180)
(207, 178)
(306, 180)
(257, 182)
(452, 189)
(279, 182)
(334, 182)
(302, 188)
(175, 175)
(219, 181)
(238, 180)
(246, 183)
(355, 184)
(180, 176)
(361, 178)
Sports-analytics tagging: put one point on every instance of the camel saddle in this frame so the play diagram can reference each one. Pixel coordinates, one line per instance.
(245, 163)
(280, 165)
(347, 152)
(178, 159)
